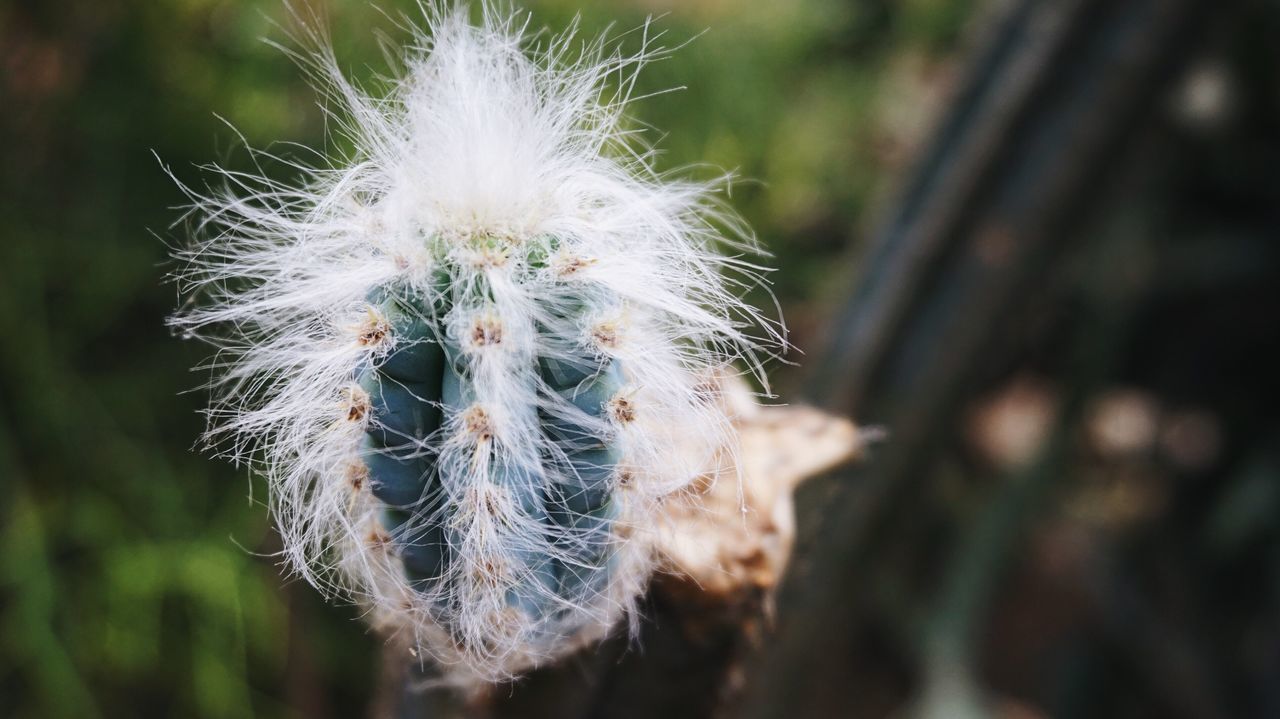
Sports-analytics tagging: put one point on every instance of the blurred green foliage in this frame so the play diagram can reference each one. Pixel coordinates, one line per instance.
(136, 575)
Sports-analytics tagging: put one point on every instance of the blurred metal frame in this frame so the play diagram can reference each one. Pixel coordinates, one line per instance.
(1050, 101)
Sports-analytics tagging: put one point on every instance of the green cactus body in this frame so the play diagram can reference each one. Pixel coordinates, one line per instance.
(424, 388)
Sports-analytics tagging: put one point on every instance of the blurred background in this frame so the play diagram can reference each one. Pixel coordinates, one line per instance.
(1036, 241)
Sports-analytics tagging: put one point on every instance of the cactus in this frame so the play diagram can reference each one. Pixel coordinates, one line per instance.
(542, 536)
(473, 359)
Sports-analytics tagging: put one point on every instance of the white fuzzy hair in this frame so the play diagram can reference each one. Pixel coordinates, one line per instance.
(489, 137)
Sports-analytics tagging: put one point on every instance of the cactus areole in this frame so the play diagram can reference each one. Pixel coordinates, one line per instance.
(473, 357)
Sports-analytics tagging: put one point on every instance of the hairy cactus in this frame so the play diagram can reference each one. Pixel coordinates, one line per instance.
(473, 358)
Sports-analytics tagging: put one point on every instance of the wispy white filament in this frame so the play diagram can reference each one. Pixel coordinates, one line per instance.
(488, 143)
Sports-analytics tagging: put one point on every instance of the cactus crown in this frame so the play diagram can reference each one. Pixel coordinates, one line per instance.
(475, 357)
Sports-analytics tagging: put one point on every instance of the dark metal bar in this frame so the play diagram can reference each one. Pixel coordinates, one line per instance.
(1049, 104)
